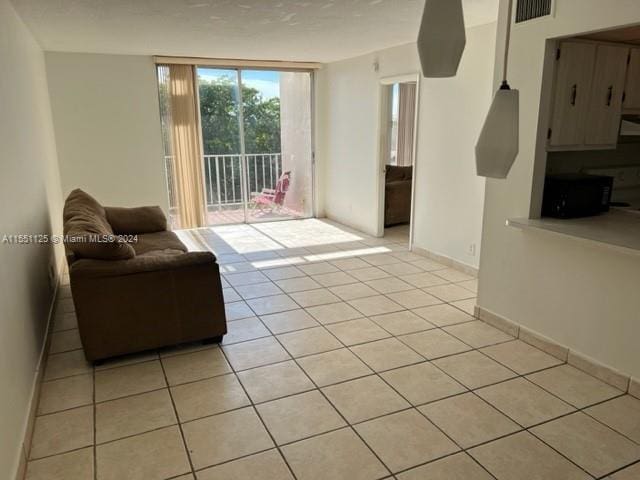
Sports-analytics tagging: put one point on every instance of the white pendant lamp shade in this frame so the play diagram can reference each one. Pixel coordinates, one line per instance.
(442, 38)
(497, 147)
(499, 141)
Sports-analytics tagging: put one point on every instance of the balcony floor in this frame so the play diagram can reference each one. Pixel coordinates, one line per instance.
(236, 216)
(226, 217)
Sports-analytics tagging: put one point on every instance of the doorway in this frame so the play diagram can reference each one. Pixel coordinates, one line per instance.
(256, 134)
(398, 125)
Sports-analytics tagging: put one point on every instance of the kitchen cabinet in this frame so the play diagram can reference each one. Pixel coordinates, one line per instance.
(632, 99)
(574, 73)
(607, 93)
(588, 94)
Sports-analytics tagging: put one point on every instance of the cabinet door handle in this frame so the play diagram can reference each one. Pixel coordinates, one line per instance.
(610, 96)
(574, 94)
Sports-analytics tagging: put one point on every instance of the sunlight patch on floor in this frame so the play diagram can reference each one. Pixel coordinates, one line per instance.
(305, 233)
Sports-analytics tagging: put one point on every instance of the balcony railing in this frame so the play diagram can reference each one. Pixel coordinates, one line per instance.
(223, 177)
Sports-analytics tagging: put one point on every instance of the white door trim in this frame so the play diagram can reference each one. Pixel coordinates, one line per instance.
(383, 135)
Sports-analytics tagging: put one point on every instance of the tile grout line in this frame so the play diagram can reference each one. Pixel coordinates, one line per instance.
(605, 477)
(436, 327)
(574, 407)
(410, 408)
(431, 360)
(255, 410)
(177, 417)
(472, 391)
(347, 423)
(327, 351)
(528, 428)
(242, 370)
(373, 418)
(559, 453)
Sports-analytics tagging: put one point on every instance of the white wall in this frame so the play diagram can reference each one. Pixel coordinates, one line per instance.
(30, 203)
(347, 142)
(449, 196)
(295, 139)
(107, 124)
(584, 297)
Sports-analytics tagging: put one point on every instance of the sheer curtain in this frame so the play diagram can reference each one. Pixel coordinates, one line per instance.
(406, 123)
(179, 109)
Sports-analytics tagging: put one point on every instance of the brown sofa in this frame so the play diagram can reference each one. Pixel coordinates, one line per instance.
(397, 195)
(140, 294)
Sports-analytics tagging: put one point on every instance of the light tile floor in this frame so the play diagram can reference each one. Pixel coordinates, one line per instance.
(347, 357)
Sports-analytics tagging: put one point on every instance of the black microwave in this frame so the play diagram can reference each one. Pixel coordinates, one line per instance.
(576, 195)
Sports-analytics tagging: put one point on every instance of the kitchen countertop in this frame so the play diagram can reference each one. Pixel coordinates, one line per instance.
(617, 229)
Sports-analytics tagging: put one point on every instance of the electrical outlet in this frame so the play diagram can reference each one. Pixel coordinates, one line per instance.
(471, 250)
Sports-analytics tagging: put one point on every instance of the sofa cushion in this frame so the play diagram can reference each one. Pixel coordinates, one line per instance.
(131, 221)
(87, 232)
(158, 242)
(81, 205)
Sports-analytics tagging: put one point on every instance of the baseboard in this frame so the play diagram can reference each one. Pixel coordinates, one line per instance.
(448, 261)
(598, 370)
(578, 360)
(348, 223)
(497, 321)
(37, 382)
(634, 387)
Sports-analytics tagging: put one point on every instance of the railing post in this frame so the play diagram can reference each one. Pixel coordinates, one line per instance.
(271, 172)
(224, 175)
(255, 174)
(218, 182)
(210, 195)
(233, 177)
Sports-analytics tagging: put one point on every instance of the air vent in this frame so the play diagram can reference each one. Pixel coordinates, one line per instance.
(530, 9)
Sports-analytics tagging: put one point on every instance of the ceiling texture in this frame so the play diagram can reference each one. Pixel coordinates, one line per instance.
(300, 30)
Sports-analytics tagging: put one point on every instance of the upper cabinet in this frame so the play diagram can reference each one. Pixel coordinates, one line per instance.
(632, 98)
(574, 71)
(588, 98)
(607, 93)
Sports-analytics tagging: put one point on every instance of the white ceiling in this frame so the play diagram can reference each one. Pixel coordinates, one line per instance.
(306, 30)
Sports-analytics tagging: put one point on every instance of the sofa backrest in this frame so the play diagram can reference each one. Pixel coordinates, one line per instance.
(398, 174)
(87, 231)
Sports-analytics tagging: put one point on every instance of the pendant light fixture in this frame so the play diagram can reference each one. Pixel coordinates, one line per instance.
(498, 144)
(442, 38)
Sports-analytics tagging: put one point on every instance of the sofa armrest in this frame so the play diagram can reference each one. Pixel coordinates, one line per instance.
(88, 268)
(130, 221)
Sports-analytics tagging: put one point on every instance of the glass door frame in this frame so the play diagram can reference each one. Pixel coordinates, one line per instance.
(244, 166)
(243, 155)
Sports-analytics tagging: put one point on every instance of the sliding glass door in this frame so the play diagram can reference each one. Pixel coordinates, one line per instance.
(276, 117)
(220, 113)
(257, 144)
